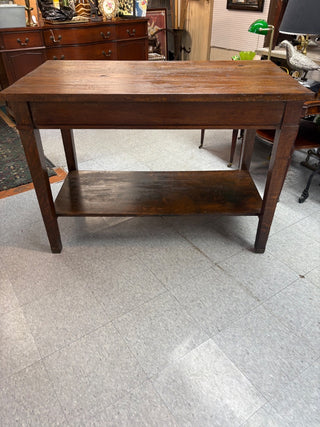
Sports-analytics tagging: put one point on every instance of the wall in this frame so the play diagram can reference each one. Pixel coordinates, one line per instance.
(236, 37)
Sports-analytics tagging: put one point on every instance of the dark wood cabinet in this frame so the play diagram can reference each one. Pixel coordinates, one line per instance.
(24, 49)
(18, 63)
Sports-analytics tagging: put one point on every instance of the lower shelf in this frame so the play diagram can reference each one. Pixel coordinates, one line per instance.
(87, 193)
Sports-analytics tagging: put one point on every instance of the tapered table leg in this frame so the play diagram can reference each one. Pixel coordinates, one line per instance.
(247, 148)
(36, 161)
(278, 166)
(69, 149)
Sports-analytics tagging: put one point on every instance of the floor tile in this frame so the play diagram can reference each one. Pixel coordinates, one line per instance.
(217, 237)
(8, 299)
(298, 403)
(75, 229)
(28, 399)
(17, 347)
(298, 307)
(314, 276)
(292, 247)
(122, 286)
(63, 316)
(140, 407)
(34, 273)
(93, 373)
(168, 255)
(310, 226)
(205, 389)
(158, 332)
(214, 299)
(266, 351)
(16, 228)
(254, 271)
(267, 416)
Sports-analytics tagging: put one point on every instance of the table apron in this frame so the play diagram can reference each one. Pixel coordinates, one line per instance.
(157, 115)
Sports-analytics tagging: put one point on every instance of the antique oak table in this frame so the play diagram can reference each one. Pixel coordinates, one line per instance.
(70, 95)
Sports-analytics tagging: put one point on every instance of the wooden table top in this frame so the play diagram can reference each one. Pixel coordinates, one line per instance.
(172, 81)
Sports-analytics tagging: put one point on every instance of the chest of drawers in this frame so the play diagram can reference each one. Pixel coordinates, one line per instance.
(24, 49)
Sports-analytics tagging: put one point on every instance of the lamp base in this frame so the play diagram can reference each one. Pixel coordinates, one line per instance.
(303, 44)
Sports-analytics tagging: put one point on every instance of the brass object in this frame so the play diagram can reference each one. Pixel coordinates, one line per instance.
(303, 44)
(29, 21)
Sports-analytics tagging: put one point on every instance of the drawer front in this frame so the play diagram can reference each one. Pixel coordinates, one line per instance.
(132, 50)
(132, 30)
(101, 51)
(71, 36)
(21, 39)
(20, 62)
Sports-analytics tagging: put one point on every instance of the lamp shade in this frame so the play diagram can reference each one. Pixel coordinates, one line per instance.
(260, 26)
(301, 17)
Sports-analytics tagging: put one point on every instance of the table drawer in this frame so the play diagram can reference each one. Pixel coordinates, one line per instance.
(87, 52)
(21, 39)
(131, 30)
(72, 36)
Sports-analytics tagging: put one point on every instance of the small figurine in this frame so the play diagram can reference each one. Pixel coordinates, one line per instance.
(298, 61)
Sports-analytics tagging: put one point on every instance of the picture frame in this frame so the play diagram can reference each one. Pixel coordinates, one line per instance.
(157, 30)
(254, 5)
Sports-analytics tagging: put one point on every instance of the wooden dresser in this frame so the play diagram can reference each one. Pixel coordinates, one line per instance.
(24, 49)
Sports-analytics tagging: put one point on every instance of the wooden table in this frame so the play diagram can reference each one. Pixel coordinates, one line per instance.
(157, 95)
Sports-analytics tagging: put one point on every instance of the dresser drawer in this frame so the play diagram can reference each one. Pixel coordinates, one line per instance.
(21, 39)
(131, 30)
(85, 52)
(75, 36)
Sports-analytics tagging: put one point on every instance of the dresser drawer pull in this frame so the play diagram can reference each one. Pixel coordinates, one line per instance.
(26, 41)
(107, 54)
(55, 40)
(131, 33)
(105, 35)
(55, 57)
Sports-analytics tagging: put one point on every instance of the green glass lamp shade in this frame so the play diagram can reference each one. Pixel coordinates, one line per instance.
(258, 26)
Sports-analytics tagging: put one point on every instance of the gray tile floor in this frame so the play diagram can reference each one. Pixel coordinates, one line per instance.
(160, 321)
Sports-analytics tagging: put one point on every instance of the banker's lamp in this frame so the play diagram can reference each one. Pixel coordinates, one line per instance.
(260, 26)
(301, 17)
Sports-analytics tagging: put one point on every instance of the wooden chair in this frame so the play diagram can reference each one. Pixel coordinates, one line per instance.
(308, 138)
(235, 133)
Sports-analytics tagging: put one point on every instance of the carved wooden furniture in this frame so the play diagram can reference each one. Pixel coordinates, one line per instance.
(24, 49)
(157, 95)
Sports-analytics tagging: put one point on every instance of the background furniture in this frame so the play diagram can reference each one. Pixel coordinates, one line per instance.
(233, 142)
(24, 49)
(158, 95)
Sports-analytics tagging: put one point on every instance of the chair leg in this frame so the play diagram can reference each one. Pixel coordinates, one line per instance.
(305, 193)
(202, 138)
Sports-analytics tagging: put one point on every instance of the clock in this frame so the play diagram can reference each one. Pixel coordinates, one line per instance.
(108, 8)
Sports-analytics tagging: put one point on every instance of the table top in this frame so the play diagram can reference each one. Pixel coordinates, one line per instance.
(148, 81)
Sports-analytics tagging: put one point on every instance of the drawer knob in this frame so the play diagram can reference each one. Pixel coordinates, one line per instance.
(131, 33)
(21, 43)
(107, 54)
(105, 35)
(55, 40)
(55, 57)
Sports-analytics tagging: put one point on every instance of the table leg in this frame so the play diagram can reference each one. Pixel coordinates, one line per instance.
(31, 141)
(247, 148)
(278, 166)
(69, 149)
